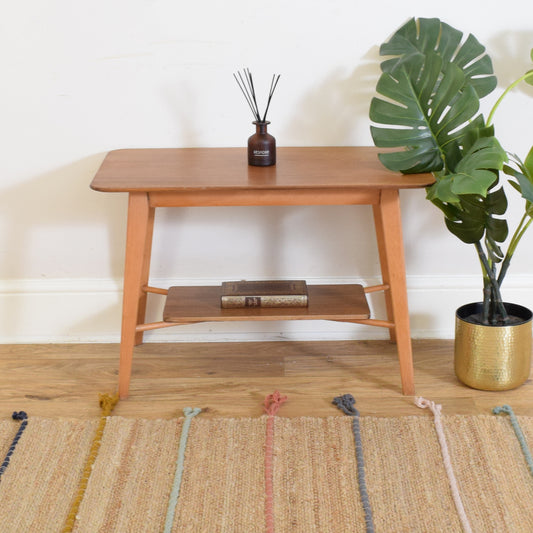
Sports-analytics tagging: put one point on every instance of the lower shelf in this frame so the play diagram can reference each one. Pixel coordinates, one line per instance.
(187, 305)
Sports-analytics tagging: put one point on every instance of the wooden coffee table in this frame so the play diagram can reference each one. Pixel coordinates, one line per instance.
(187, 177)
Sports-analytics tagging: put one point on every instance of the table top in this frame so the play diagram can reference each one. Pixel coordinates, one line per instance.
(202, 169)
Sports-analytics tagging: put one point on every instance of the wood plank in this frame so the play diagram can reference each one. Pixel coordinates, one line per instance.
(232, 379)
(266, 197)
(326, 302)
(218, 169)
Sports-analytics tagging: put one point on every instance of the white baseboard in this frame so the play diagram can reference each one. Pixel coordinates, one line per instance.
(88, 310)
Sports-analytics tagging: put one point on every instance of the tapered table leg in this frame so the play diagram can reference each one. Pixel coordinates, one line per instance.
(138, 242)
(385, 275)
(388, 224)
(145, 274)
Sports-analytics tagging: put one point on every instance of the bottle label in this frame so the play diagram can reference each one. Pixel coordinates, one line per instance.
(262, 153)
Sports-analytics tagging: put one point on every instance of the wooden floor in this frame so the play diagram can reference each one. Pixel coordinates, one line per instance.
(232, 379)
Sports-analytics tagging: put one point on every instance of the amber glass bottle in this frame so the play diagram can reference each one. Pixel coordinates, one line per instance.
(261, 146)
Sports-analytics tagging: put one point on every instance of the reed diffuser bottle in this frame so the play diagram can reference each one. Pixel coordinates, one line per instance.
(261, 145)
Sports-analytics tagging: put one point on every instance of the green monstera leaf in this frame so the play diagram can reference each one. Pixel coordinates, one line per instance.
(474, 173)
(429, 95)
(476, 217)
(469, 199)
(524, 178)
(418, 37)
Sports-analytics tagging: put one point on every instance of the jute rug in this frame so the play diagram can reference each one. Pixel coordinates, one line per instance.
(265, 474)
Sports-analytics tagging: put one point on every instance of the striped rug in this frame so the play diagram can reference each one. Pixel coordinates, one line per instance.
(267, 474)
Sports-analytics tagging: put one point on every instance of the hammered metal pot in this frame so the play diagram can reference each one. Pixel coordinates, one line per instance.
(492, 358)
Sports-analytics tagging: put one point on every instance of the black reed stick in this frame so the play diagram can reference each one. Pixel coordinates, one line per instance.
(244, 90)
(272, 89)
(252, 90)
(246, 85)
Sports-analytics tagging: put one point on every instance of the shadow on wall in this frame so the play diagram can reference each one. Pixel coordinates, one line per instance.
(510, 53)
(334, 113)
(49, 223)
(264, 242)
(326, 115)
(329, 113)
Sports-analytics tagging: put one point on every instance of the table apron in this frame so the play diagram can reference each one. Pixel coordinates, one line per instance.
(247, 197)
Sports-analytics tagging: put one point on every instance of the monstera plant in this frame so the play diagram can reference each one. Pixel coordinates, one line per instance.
(427, 113)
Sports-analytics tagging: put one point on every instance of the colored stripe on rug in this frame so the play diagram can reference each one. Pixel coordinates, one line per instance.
(189, 413)
(346, 403)
(107, 404)
(223, 486)
(436, 410)
(271, 406)
(21, 415)
(506, 409)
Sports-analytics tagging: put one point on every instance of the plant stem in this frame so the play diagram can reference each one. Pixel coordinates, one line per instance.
(486, 299)
(518, 234)
(527, 75)
(495, 296)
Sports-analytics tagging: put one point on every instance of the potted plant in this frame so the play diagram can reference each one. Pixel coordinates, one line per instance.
(427, 115)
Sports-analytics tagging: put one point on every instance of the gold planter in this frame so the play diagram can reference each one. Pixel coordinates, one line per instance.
(492, 357)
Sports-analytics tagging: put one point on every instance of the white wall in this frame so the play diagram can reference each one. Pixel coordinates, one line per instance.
(79, 79)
